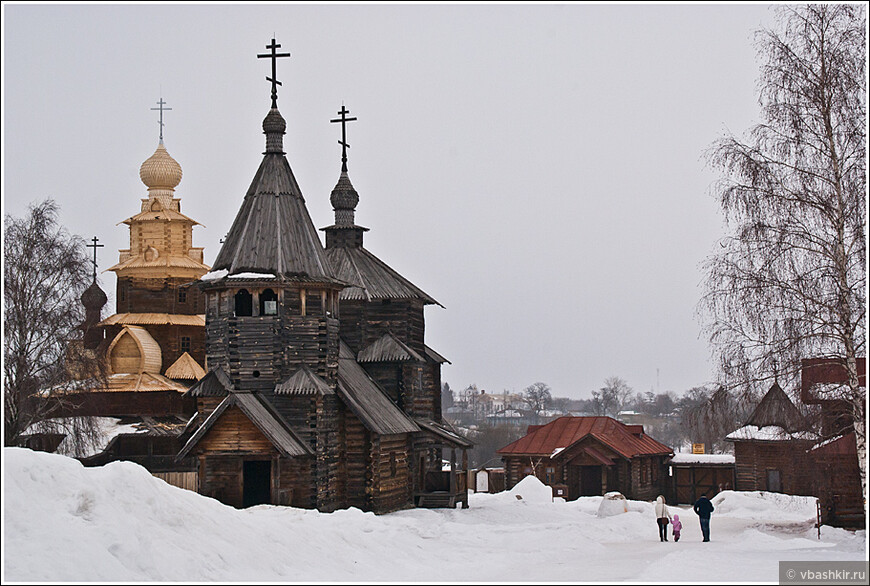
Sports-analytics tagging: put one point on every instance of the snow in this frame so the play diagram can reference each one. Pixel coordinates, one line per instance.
(252, 276)
(768, 433)
(612, 503)
(687, 458)
(117, 523)
(220, 274)
(214, 275)
(108, 428)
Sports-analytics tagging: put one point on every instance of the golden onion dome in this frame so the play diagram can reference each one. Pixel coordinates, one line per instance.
(160, 171)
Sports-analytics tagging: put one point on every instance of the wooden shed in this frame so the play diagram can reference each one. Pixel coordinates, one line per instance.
(770, 450)
(592, 456)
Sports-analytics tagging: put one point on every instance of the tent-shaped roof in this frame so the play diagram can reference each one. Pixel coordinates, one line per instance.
(214, 384)
(185, 368)
(267, 421)
(371, 278)
(272, 232)
(304, 382)
(776, 409)
(388, 348)
(564, 432)
(366, 400)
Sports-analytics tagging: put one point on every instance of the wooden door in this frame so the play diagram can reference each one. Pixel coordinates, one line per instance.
(590, 480)
(257, 482)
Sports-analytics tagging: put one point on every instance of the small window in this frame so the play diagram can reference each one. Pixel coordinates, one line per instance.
(393, 464)
(244, 303)
(182, 295)
(549, 475)
(122, 293)
(268, 303)
(185, 343)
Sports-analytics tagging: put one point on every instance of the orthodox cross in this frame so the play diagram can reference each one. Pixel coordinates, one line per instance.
(95, 246)
(161, 103)
(274, 55)
(343, 142)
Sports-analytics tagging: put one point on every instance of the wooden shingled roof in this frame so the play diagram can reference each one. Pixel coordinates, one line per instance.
(185, 368)
(173, 319)
(272, 232)
(778, 410)
(366, 400)
(563, 432)
(267, 421)
(304, 382)
(388, 348)
(216, 383)
(371, 278)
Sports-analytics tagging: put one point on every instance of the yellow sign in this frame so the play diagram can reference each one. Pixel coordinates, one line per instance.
(697, 448)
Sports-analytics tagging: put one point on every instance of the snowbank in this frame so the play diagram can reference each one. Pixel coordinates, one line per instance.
(117, 523)
(531, 490)
(764, 506)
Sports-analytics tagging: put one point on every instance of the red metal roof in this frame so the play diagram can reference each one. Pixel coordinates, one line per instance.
(566, 431)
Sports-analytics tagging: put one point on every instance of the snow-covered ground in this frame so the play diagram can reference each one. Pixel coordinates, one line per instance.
(64, 522)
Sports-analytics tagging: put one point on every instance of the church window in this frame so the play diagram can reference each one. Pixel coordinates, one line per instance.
(244, 303)
(182, 295)
(268, 303)
(185, 343)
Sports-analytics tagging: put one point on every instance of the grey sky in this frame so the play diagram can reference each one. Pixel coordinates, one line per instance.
(536, 169)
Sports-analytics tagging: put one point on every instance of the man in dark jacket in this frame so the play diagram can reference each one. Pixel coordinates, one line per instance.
(703, 507)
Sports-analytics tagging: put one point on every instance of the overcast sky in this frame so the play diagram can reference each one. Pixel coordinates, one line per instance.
(536, 169)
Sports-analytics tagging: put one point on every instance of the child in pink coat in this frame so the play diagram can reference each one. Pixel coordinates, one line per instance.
(676, 526)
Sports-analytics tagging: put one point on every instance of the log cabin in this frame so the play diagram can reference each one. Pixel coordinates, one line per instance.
(320, 391)
(589, 456)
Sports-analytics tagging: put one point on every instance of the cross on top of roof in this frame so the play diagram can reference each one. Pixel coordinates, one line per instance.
(95, 246)
(161, 103)
(274, 55)
(343, 142)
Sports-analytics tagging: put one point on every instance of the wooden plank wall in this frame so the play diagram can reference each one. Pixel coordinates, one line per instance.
(358, 463)
(754, 459)
(391, 481)
(327, 449)
(137, 295)
(185, 480)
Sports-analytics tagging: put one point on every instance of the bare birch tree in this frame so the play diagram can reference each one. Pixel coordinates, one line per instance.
(788, 281)
(45, 270)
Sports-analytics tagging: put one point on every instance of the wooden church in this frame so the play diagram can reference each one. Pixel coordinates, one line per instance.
(320, 392)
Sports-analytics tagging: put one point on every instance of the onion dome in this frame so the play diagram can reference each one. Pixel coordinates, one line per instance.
(93, 297)
(160, 171)
(344, 199)
(274, 127)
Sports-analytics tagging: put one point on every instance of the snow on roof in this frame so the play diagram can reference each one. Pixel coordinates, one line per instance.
(108, 428)
(221, 273)
(687, 458)
(556, 452)
(252, 276)
(214, 275)
(768, 433)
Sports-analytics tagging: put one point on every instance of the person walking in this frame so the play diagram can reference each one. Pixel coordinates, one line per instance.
(677, 527)
(663, 517)
(703, 507)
